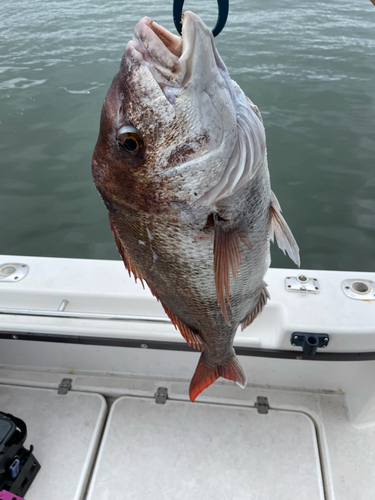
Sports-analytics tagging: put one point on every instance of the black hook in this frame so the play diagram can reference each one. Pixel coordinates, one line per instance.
(223, 9)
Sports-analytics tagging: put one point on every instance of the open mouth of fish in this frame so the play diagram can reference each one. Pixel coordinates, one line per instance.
(152, 33)
(172, 59)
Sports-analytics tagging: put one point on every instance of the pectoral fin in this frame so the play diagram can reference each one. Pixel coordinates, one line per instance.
(227, 254)
(284, 237)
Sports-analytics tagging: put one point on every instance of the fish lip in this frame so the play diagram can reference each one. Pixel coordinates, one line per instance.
(160, 47)
(157, 44)
(172, 42)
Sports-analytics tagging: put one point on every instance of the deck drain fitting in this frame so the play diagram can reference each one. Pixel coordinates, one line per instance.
(12, 272)
(359, 289)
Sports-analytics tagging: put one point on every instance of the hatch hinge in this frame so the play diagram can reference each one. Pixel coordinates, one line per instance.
(65, 386)
(262, 405)
(161, 395)
(302, 284)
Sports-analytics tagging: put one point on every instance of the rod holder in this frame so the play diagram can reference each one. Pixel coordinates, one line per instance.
(309, 341)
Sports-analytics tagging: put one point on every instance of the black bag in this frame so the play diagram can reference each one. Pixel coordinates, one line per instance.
(18, 466)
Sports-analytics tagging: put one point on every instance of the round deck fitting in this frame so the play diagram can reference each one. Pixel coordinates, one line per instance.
(359, 289)
(12, 272)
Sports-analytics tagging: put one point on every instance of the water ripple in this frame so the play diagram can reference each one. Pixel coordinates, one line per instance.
(309, 66)
(19, 83)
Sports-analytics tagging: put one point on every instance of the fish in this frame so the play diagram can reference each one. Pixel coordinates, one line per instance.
(181, 166)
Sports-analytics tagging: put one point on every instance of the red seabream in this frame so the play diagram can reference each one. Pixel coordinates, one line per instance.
(181, 166)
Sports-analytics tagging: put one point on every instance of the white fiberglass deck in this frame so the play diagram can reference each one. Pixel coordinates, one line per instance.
(65, 432)
(317, 441)
(176, 450)
(185, 451)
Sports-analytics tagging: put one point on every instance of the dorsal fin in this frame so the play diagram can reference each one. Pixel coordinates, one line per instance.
(131, 268)
(193, 339)
(264, 295)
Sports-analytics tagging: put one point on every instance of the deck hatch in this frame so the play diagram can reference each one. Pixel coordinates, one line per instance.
(65, 432)
(184, 450)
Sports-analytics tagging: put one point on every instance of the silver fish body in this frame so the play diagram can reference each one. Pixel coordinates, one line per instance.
(181, 166)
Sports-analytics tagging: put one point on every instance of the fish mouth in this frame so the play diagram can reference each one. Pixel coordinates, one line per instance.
(153, 40)
(170, 58)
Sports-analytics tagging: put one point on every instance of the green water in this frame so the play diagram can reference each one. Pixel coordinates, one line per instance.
(309, 66)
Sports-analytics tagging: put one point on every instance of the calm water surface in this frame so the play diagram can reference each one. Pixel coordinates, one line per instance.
(309, 66)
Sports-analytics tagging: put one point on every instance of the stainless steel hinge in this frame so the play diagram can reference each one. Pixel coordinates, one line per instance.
(302, 284)
(262, 405)
(65, 386)
(161, 395)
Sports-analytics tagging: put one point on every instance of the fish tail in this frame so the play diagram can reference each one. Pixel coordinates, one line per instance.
(206, 375)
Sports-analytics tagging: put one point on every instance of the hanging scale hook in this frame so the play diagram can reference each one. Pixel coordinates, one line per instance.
(223, 9)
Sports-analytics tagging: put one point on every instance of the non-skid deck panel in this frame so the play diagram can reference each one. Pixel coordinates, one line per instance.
(184, 450)
(65, 432)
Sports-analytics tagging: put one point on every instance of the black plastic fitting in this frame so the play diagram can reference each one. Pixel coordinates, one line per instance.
(309, 341)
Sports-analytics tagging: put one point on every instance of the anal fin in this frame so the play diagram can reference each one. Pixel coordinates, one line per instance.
(284, 237)
(264, 295)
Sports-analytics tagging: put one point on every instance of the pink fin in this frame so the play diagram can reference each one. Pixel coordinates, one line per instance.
(205, 375)
(284, 237)
(227, 253)
(194, 340)
(264, 295)
(126, 259)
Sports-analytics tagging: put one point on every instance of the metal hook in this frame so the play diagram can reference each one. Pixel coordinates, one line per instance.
(223, 9)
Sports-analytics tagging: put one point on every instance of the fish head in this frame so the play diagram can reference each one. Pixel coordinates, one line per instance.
(168, 122)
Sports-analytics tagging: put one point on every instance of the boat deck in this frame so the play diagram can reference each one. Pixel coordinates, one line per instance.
(124, 445)
(107, 437)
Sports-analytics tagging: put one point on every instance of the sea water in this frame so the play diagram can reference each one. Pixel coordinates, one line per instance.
(309, 66)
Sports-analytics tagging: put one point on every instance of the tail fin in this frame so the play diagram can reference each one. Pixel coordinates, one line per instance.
(205, 375)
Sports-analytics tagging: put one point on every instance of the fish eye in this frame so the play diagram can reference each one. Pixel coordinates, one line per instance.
(130, 139)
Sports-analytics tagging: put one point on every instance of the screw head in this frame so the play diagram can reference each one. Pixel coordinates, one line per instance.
(294, 345)
(295, 337)
(144, 346)
(15, 337)
(326, 339)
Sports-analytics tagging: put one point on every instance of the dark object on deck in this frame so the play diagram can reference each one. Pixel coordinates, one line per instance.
(18, 466)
